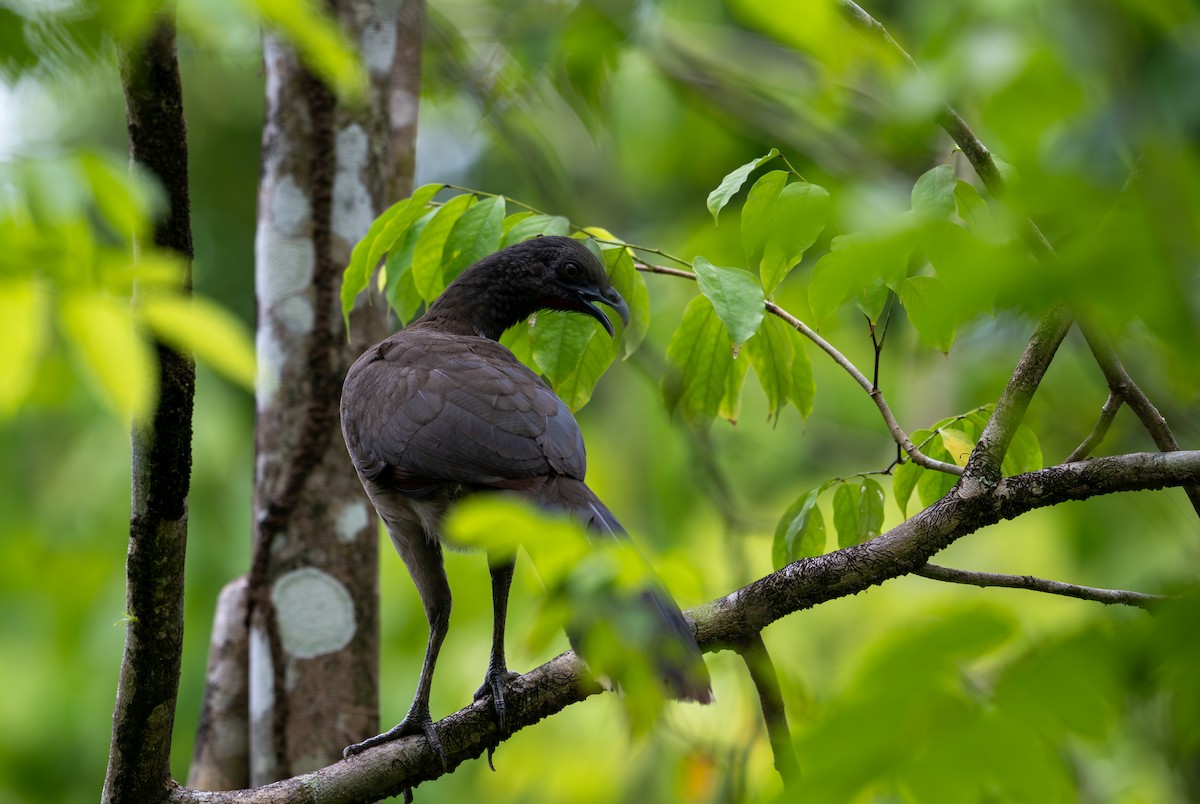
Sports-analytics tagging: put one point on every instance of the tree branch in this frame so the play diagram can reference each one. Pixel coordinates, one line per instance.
(1123, 386)
(983, 467)
(766, 681)
(889, 419)
(726, 623)
(1034, 584)
(1107, 413)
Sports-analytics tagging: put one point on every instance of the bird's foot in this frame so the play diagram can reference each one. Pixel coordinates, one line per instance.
(413, 723)
(494, 684)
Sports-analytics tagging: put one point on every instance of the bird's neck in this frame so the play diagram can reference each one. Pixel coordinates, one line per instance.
(480, 302)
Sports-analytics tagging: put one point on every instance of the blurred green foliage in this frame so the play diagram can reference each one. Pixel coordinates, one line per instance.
(627, 116)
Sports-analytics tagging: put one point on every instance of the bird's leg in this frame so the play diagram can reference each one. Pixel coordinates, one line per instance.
(424, 562)
(498, 676)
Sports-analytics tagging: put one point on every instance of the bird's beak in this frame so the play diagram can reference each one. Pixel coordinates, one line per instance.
(611, 298)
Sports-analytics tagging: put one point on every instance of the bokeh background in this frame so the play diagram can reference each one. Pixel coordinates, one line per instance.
(625, 114)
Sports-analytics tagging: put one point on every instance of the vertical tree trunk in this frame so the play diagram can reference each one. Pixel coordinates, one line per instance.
(328, 170)
(139, 758)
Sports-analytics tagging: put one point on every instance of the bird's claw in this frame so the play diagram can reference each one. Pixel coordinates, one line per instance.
(412, 724)
(494, 684)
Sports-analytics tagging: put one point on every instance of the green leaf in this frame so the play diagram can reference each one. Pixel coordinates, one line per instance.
(930, 311)
(210, 332)
(698, 365)
(531, 226)
(427, 254)
(801, 530)
(123, 205)
(933, 485)
(757, 220)
(733, 182)
(933, 194)
(736, 295)
(632, 287)
(401, 291)
(392, 224)
(730, 408)
(858, 263)
(803, 389)
(975, 212)
(519, 341)
(872, 299)
(857, 511)
(798, 216)
(474, 236)
(904, 480)
(23, 333)
(772, 354)
(1024, 453)
(572, 352)
(118, 361)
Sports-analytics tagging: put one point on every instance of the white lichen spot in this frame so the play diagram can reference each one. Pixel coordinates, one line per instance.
(352, 207)
(290, 210)
(314, 611)
(296, 314)
(262, 676)
(377, 44)
(270, 356)
(402, 108)
(352, 519)
(285, 264)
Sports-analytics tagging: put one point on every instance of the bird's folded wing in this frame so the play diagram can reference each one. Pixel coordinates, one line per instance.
(433, 407)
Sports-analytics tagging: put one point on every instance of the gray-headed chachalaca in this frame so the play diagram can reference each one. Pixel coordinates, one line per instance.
(440, 410)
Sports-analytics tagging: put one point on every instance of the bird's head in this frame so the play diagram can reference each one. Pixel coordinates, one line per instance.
(560, 273)
(505, 288)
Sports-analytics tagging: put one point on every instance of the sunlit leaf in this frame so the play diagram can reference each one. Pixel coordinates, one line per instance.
(904, 480)
(427, 254)
(321, 43)
(118, 361)
(401, 289)
(1024, 453)
(730, 408)
(572, 352)
(123, 204)
(958, 444)
(736, 296)
(632, 287)
(733, 182)
(198, 326)
(23, 333)
(474, 236)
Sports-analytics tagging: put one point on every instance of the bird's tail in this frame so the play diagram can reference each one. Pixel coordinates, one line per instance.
(649, 610)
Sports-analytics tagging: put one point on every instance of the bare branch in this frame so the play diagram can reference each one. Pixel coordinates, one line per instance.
(983, 467)
(1140, 600)
(889, 419)
(1107, 414)
(1123, 386)
(766, 681)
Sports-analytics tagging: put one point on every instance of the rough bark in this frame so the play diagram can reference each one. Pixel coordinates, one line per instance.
(328, 169)
(139, 757)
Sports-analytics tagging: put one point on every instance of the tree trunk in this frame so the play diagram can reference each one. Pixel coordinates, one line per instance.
(329, 168)
(144, 714)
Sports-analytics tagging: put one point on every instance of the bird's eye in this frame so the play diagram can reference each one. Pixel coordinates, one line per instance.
(570, 271)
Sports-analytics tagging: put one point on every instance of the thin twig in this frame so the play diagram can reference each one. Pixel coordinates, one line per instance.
(1110, 597)
(1107, 414)
(766, 681)
(889, 419)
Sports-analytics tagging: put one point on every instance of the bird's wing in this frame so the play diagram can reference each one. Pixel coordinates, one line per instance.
(427, 407)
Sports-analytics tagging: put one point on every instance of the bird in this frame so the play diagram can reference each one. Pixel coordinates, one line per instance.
(440, 410)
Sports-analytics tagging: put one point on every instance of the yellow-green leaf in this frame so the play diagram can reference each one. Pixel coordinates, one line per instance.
(200, 327)
(23, 333)
(118, 361)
